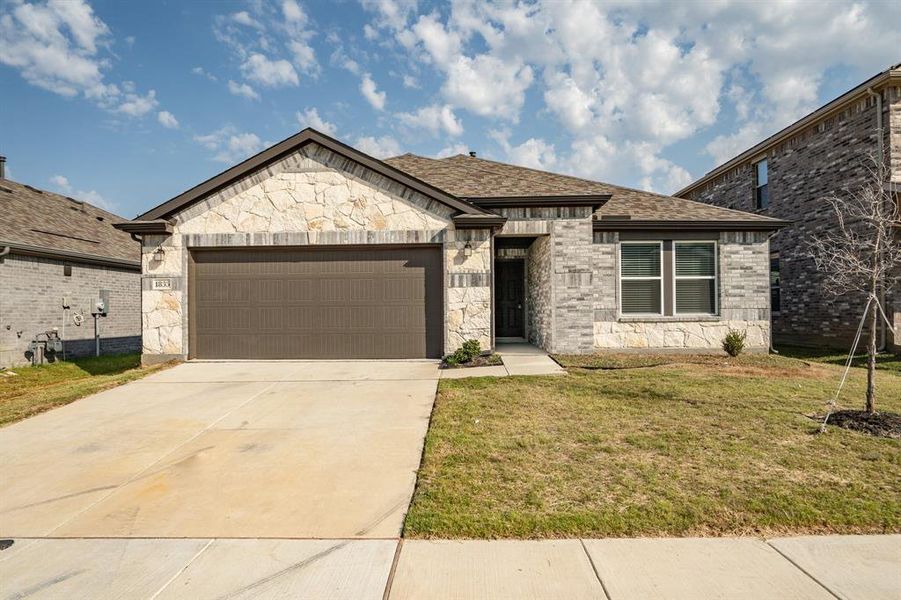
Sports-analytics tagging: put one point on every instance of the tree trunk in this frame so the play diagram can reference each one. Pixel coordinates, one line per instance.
(871, 360)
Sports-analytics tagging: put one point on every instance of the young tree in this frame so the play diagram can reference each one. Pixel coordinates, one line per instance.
(862, 253)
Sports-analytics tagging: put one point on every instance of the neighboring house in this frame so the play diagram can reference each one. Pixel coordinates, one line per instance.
(313, 249)
(787, 176)
(59, 256)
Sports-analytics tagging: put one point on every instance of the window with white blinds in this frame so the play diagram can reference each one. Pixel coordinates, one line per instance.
(641, 278)
(695, 277)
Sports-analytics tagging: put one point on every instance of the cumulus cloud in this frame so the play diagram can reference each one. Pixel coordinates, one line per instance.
(269, 73)
(627, 82)
(379, 147)
(435, 119)
(310, 118)
(230, 145)
(63, 47)
(61, 184)
(243, 90)
(167, 119)
(370, 91)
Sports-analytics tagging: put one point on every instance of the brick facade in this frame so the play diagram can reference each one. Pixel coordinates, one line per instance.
(31, 302)
(825, 158)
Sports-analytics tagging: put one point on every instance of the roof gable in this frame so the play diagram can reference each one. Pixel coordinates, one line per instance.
(292, 144)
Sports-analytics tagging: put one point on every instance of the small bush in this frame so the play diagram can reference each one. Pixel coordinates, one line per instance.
(465, 353)
(734, 342)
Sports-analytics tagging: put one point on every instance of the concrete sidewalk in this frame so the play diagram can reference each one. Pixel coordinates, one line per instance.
(829, 567)
(520, 358)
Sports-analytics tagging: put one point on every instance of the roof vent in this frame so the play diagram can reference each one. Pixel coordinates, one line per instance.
(472, 153)
(99, 218)
(34, 189)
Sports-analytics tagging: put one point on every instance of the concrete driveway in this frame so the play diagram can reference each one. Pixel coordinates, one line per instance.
(225, 450)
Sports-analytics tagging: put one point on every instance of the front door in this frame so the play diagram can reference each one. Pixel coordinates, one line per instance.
(509, 298)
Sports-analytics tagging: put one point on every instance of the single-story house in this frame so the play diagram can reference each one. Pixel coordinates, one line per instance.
(314, 249)
(59, 257)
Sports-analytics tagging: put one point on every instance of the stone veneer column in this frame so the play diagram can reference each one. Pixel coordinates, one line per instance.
(468, 281)
(572, 260)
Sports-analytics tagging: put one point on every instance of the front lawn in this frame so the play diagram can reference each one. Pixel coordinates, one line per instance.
(33, 390)
(700, 446)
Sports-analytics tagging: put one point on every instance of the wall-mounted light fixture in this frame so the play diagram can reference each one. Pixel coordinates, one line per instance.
(158, 255)
(467, 249)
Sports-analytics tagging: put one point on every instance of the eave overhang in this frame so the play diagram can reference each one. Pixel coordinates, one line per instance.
(595, 201)
(486, 221)
(622, 224)
(70, 256)
(140, 227)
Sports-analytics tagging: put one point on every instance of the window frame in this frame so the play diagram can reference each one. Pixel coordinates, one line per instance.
(756, 164)
(714, 277)
(659, 278)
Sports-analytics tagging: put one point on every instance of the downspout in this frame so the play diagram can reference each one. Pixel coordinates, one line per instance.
(880, 153)
(770, 295)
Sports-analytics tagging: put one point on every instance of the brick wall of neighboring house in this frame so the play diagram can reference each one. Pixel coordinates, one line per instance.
(827, 157)
(31, 301)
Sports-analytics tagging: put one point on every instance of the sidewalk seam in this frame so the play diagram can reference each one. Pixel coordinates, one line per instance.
(182, 570)
(595, 569)
(802, 569)
(393, 569)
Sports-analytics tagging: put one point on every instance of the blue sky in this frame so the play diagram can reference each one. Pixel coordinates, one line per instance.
(126, 104)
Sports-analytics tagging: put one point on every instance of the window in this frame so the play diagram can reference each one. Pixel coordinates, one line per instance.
(775, 283)
(761, 189)
(695, 277)
(641, 278)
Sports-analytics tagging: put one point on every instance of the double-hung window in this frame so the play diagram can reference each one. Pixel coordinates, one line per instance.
(695, 277)
(668, 278)
(641, 278)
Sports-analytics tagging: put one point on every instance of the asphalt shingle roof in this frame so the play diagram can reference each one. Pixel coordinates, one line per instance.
(471, 177)
(46, 220)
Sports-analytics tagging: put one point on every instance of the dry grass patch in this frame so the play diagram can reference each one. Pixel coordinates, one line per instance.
(710, 446)
(32, 390)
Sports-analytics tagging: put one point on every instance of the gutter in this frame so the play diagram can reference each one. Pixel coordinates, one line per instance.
(93, 259)
(626, 224)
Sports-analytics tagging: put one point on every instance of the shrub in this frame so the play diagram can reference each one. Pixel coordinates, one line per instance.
(734, 342)
(465, 353)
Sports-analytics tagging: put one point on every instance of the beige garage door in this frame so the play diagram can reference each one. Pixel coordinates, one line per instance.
(336, 302)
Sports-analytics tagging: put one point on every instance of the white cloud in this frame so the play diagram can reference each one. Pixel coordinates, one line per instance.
(293, 12)
(534, 152)
(243, 90)
(452, 150)
(229, 145)
(371, 93)
(381, 147)
(435, 119)
(488, 86)
(269, 73)
(61, 184)
(63, 47)
(243, 18)
(410, 82)
(370, 32)
(136, 105)
(310, 118)
(201, 72)
(167, 119)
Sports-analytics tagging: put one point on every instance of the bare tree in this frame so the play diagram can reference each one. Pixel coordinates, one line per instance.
(862, 254)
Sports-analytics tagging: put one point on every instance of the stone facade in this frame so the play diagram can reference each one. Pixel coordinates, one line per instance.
(539, 293)
(827, 157)
(31, 302)
(311, 197)
(743, 300)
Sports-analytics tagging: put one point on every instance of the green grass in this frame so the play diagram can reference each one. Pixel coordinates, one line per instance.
(33, 390)
(885, 361)
(709, 446)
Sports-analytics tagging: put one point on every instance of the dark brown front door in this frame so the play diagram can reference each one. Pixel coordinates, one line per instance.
(333, 302)
(510, 298)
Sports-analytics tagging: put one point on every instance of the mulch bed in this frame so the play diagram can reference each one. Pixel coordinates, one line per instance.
(880, 424)
(488, 360)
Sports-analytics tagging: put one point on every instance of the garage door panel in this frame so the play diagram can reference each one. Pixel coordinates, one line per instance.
(349, 302)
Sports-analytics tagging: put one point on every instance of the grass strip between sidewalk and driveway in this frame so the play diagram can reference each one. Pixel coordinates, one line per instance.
(27, 390)
(677, 446)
